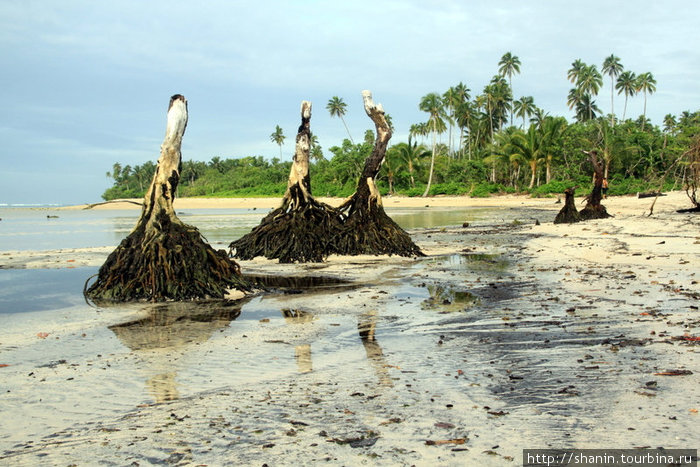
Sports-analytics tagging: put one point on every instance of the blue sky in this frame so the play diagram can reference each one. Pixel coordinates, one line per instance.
(85, 84)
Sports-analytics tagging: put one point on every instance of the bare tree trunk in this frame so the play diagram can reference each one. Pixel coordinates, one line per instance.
(163, 258)
(593, 209)
(367, 229)
(432, 162)
(568, 213)
(300, 229)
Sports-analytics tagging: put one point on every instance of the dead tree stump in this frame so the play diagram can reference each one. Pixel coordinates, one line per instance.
(366, 228)
(593, 208)
(568, 214)
(300, 229)
(163, 258)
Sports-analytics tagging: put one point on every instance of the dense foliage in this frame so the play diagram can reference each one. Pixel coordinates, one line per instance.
(494, 143)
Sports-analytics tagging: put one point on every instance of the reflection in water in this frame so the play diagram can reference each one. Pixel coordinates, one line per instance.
(176, 324)
(447, 299)
(163, 387)
(171, 326)
(366, 327)
(302, 352)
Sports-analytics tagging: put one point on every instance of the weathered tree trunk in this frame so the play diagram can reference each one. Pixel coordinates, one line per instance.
(163, 258)
(568, 213)
(299, 230)
(593, 209)
(367, 229)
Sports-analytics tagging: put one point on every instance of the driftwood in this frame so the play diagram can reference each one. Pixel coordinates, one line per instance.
(90, 206)
(568, 214)
(366, 228)
(300, 229)
(163, 258)
(593, 208)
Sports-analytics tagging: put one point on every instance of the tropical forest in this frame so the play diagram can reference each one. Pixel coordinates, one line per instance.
(477, 144)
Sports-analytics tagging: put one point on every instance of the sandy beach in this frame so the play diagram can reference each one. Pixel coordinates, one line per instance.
(511, 333)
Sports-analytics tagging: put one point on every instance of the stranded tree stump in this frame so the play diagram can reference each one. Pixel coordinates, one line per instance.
(299, 230)
(568, 214)
(593, 209)
(366, 228)
(163, 258)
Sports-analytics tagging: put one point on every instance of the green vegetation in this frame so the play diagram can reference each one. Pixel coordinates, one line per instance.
(538, 154)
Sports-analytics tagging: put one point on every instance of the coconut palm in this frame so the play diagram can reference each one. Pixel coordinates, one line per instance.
(498, 102)
(586, 108)
(337, 108)
(552, 129)
(524, 107)
(530, 148)
(538, 116)
(589, 82)
(277, 137)
(670, 123)
(508, 66)
(647, 84)
(575, 71)
(432, 104)
(627, 83)
(612, 67)
(411, 155)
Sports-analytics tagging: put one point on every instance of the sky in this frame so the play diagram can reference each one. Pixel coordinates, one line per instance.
(85, 83)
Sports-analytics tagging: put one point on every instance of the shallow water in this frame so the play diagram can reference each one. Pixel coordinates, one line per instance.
(48, 229)
(470, 346)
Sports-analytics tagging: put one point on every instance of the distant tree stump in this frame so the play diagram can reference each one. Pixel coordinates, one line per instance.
(568, 214)
(366, 228)
(163, 258)
(300, 229)
(593, 208)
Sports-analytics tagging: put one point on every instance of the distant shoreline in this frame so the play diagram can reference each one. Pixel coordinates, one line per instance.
(628, 204)
(388, 201)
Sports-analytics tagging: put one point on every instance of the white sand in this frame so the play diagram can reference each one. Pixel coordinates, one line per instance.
(570, 326)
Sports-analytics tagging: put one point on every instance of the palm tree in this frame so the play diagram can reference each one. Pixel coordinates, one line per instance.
(552, 129)
(411, 155)
(647, 84)
(524, 107)
(432, 104)
(336, 107)
(627, 83)
(670, 123)
(277, 137)
(586, 108)
(508, 66)
(589, 82)
(498, 102)
(612, 67)
(575, 71)
(538, 116)
(529, 146)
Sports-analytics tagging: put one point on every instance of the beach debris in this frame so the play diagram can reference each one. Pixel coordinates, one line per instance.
(568, 214)
(299, 230)
(674, 373)
(164, 258)
(593, 208)
(440, 442)
(42, 335)
(366, 228)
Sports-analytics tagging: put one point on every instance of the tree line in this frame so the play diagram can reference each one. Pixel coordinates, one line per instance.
(478, 145)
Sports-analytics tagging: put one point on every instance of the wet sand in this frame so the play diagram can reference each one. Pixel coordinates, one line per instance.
(508, 335)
